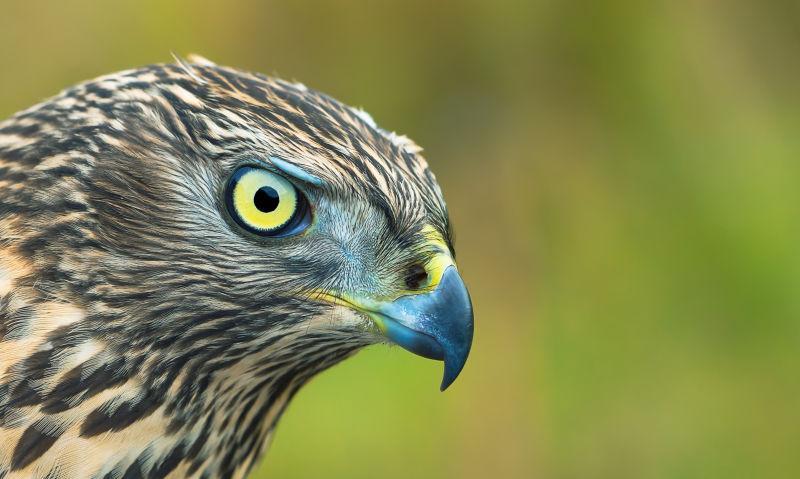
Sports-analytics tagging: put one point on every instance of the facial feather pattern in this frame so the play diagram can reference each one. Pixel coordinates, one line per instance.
(142, 332)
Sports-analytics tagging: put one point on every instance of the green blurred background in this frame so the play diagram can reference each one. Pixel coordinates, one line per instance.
(623, 179)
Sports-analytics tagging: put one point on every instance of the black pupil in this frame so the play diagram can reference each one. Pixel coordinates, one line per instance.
(266, 199)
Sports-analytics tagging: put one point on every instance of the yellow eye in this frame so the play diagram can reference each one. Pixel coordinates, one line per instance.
(265, 203)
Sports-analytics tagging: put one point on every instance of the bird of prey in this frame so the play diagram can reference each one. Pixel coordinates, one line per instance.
(182, 246)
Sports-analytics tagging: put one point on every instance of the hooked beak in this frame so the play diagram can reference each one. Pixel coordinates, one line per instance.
(437, 324)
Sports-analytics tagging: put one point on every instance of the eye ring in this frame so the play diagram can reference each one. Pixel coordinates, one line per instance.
(265, 203)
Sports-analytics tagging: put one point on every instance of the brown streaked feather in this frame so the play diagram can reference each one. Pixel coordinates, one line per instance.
(139, 333)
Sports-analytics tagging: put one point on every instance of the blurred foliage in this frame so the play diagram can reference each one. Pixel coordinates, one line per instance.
(623, 178)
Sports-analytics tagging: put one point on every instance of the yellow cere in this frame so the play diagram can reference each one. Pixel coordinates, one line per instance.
(436, 266)
(244, 200)
(370, 306)
(435, 269)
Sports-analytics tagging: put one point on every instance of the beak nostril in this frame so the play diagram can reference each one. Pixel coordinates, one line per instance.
(416, 276)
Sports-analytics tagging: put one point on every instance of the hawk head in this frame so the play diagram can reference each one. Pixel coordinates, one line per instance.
(183, 247)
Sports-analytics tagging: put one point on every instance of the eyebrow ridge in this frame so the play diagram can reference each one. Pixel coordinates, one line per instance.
(295, 171)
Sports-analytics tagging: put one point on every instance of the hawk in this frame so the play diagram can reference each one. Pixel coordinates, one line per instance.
(182, 246)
